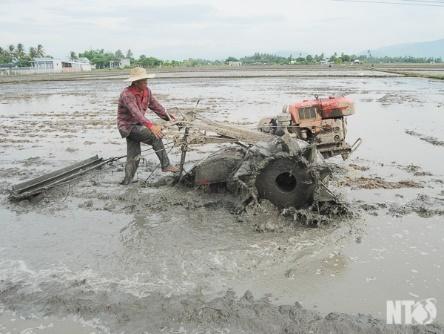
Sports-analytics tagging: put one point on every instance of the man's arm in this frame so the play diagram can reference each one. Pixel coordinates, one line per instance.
(155, 106)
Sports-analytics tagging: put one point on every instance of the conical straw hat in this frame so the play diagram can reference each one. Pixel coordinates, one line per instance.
(139, 73)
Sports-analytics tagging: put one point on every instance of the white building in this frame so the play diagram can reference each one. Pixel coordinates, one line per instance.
(79, 65)
(234, 63)
(47, 64)
(121, 63)
(54, 65)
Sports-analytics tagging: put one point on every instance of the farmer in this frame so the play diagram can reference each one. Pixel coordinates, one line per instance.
(132, 124)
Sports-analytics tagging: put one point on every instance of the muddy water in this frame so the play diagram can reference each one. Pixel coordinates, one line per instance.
(82, 250)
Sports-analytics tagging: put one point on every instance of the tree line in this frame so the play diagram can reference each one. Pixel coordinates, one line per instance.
(18, 55)
(270, 59)
(102, 59)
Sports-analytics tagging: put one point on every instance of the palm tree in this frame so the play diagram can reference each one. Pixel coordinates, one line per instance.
(129, 54)
(20, 50)
(119, 54)
(3, 56)
(11, 48)
(32, 52)
(40, 51)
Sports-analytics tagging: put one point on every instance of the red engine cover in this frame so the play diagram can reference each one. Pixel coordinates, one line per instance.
(331, 107)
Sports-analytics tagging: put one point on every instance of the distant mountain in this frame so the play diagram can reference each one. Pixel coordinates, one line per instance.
(433, 49)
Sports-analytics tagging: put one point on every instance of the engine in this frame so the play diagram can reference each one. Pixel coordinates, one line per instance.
(321, 121)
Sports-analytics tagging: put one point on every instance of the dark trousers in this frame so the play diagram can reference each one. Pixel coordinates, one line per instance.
(141, 134)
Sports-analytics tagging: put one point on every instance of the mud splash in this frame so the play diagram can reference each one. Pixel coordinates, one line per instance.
(263, 216)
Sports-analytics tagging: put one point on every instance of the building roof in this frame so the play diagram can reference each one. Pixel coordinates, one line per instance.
(77, 61)
(44, 59)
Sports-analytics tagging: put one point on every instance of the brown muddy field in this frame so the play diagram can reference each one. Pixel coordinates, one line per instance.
(97, 257)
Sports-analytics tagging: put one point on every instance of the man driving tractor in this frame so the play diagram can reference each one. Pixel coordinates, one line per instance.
(132, 124)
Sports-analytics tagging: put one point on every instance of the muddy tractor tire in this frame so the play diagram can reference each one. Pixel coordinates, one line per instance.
(285, 182)
(218, 167)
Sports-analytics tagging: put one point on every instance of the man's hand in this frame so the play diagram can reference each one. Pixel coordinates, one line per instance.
(157, 131)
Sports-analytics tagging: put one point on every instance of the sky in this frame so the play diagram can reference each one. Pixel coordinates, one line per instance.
(215, 29)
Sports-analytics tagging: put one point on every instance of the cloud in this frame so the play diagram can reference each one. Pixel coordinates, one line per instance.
(213, 28)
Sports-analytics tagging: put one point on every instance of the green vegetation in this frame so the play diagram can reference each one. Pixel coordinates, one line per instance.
(263, 58)
(229, 59)
(270, 59)
(15, 55)
(147, 61)
(100, 58)
(412, 60)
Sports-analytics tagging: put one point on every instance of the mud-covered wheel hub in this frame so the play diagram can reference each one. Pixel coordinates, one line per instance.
(286, 183)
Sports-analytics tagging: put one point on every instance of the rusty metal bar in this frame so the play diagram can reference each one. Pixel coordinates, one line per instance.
(38, 185)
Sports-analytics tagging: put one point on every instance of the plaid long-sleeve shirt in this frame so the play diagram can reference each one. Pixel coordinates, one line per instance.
(132, 108)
